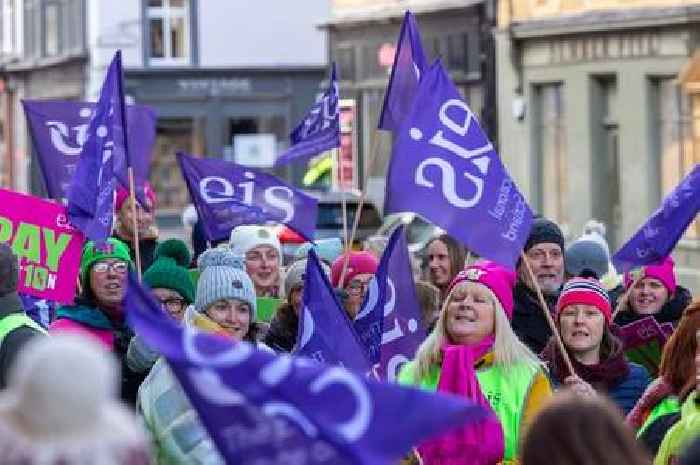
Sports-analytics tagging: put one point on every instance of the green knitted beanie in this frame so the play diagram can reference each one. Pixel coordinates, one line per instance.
(169, 269)
(112, 248)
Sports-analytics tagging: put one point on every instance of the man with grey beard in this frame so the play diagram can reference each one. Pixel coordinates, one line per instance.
(544, 251)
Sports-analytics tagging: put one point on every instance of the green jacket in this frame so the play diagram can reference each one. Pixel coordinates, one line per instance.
(515, 394)
(682, 433)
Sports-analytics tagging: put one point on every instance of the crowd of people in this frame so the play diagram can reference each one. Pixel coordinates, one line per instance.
(570, 397)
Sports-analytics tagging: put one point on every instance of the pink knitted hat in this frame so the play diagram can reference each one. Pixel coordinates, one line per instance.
(123, 195)
(664, 272)
(359, 263)
(497, 278)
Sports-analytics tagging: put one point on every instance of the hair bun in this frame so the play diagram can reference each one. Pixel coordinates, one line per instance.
(175, 249)
(219, 257)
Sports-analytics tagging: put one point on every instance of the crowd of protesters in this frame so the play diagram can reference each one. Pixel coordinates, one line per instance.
(486, 330)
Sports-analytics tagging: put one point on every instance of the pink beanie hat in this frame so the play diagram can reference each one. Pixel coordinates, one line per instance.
(123, 195)
(359, 263)
(497, 278)
(664, 272)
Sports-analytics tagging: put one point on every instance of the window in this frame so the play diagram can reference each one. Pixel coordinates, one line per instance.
(51, 29)
(32, 28)
(9, 27)
(168, 32)
(173, 135)
(551, 151)
(345, 59)
(678, 136)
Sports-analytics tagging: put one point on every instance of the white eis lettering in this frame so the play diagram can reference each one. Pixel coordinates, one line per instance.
(479, 156)
(216, 189)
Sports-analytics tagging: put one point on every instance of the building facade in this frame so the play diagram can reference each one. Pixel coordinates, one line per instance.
(362, 36)
(593, 120)
(226, 79)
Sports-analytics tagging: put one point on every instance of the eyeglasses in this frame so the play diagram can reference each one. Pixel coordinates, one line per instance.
(119, 267)
(356, 286)
(173, 304)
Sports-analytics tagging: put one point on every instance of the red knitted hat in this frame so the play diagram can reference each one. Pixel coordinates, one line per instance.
(586, 291)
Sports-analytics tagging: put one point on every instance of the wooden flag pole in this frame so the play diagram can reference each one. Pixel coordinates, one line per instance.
(360, 204)
(468, 259)
(134, 223)
(343, 199)
(547, 315)
(624, 299)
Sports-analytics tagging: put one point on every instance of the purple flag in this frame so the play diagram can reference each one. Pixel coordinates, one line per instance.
(325, 331)
(389, 322)
(445, 169)
(409, 66)
(658, 236)
(319, 130)
(261, 408)
(91, 193)
(59, 128)
(227, 195)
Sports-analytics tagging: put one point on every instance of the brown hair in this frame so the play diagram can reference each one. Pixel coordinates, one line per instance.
(678, 358)
(455, 251)
(429, 300)
(575, 430)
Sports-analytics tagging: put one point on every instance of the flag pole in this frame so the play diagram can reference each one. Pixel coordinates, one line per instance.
(343, 200)
(624, 299)
(361, 202)
(468, 259)
(545, 309)
(134, 223)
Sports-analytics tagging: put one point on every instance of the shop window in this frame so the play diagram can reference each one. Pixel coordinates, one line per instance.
(172, 136)
(551, 150)
(678, 136)
(168, 32)
(255, 140)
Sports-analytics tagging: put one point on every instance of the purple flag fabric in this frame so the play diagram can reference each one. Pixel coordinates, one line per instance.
(389, 322)
(227, 195)
(319, 130)
(261, 408)
(445, 169)
(325, 331)
(59, 128)
(91, 193)
(658, 236)
(409, 66)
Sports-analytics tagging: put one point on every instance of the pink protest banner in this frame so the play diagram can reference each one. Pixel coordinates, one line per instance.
(47, 246)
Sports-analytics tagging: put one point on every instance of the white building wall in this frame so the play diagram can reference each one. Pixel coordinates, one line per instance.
(112, 25)
(262, 33)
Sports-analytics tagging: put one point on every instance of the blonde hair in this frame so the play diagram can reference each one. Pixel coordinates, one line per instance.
(508, 350)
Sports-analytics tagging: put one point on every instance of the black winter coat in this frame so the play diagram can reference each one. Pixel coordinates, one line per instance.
(15, 340)
(529, 323)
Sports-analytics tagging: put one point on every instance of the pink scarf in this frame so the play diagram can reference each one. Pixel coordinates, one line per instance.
(481, 444)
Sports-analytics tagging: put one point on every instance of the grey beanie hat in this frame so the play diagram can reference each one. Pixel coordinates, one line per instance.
(295, 274)
(222, 277)
(586, 255)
